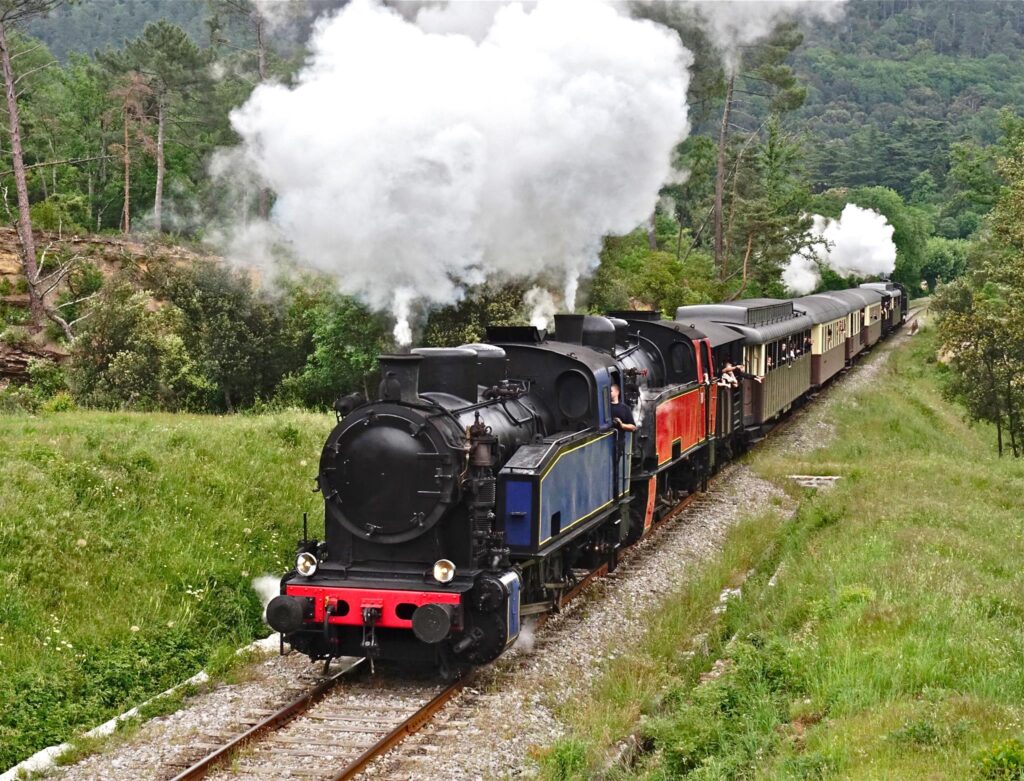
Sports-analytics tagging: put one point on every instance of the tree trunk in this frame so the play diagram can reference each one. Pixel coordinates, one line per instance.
(261, 49)
(723, 137)
(91, 196)
(1013, 425)
(28, 243)
(126, 219)
(263, 198)
(158, 203)
(994, 388)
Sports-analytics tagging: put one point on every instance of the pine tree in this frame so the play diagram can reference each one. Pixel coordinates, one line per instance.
(12, 14)
(172, 67)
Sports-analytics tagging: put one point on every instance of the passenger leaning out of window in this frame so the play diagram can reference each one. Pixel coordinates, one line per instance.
(622, 415)
(732, 374)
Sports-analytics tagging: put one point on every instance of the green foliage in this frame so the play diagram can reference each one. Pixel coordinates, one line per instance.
(81, 284)
(633, 276)
(944, 260)
(566, 760)
(466, 322)
(1003, 761)
(130, 355)
(46, 377)
(894, 87)
(59, 402)
(346, 341)
(84, 27)
(982, 315)
(235, 334)
(768, 222)
(158, 524)
(66, 213)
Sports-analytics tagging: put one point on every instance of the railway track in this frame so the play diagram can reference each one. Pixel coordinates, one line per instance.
(331, 732)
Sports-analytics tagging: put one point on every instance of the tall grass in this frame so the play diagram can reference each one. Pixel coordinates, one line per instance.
(890, 644)
(128, 543)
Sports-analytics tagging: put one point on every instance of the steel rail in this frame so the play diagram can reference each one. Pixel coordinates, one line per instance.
(411, 725)
(272, 722)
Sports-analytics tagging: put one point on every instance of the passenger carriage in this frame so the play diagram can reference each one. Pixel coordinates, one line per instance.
(776, 345)
(870, 303)
(892, 303)
(854, 304)
(830, 318)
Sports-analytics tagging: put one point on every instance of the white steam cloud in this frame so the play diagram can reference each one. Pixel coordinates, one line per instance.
(542, 307)
(277, 12)
(858, 244)
(267, 587)
(733, 24)
(412, 164)
(466, 17)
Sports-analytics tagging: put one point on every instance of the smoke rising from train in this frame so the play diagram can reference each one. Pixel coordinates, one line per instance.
(411, 165)
(734, 24)
(858, 244)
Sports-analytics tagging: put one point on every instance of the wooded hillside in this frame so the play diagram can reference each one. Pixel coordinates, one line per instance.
(903, 108)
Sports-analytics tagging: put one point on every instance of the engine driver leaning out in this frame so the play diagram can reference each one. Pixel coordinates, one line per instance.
(622, 416)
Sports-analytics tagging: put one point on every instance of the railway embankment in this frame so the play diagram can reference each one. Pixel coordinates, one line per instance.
(129, 543)
(874, 634)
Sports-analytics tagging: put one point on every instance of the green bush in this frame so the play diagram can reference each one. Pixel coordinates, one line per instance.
(62, 212)
(14, 336)
(46, 377)
(60, 402)
(1003, 761)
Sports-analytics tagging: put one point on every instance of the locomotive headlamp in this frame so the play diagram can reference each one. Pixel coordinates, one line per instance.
(444, 571)
(305, 564)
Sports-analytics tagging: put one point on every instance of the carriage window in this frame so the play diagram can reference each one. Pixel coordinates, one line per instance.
(681, 361)
(573, 393)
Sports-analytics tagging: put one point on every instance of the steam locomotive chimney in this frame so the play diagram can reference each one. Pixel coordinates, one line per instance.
(569, 328)
(400, 377)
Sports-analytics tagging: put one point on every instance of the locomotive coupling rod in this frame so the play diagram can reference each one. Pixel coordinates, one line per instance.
(272, 722)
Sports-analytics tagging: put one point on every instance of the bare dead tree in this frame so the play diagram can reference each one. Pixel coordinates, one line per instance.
(723, 137)
(13, 13)
(131, 94)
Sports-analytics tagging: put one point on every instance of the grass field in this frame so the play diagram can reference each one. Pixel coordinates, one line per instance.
(128, 546)
(889, 645)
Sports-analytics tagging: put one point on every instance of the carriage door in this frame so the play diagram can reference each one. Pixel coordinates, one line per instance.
(710, 390)
(623, 439)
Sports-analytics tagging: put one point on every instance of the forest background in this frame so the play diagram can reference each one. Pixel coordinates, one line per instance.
(907, 107)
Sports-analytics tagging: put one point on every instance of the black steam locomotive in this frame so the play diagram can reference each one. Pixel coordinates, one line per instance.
(464, 497)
